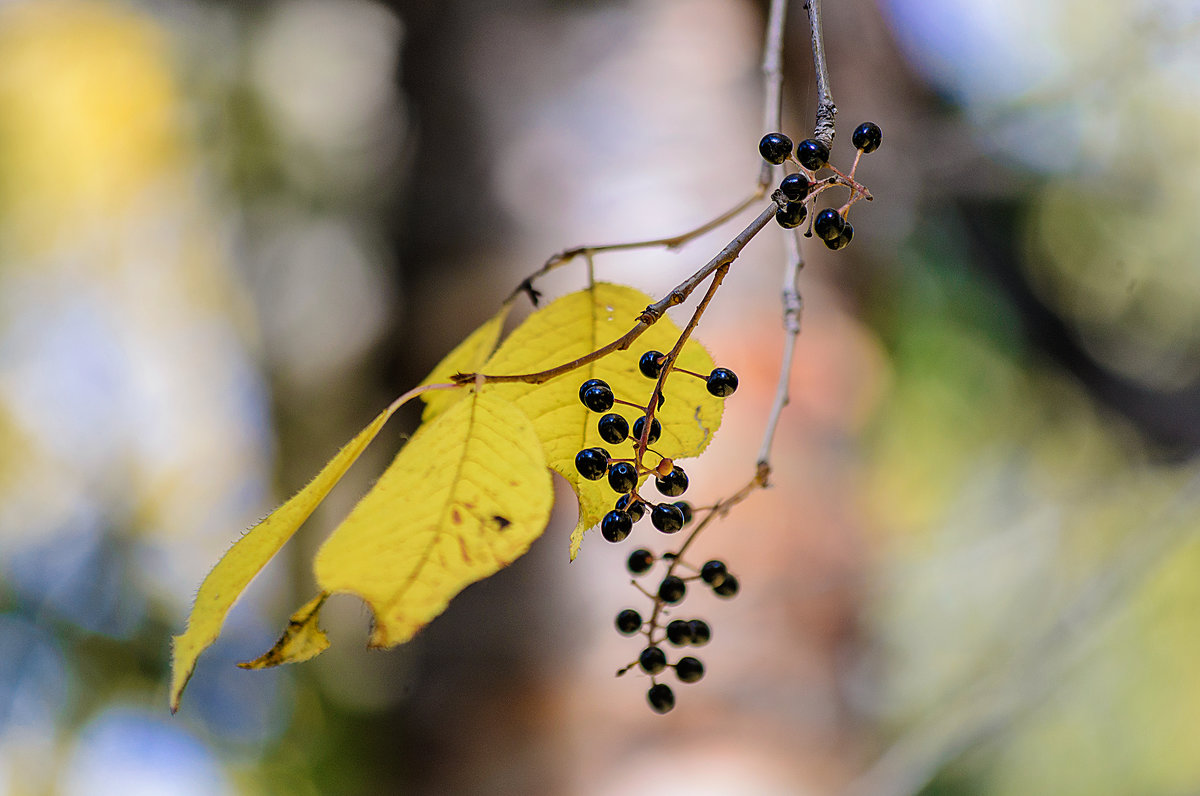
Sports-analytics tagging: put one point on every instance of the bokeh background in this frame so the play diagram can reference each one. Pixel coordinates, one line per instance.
(231, 233)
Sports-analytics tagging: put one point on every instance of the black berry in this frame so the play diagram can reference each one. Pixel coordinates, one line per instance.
(661, 698)
(791, 215)
(592, 463)
(666, 518)
(655, 429)
(622, 477)
(629, 622)
(649, 364)
(679, 632)
(812, 154)
(701, 632)
(686, 508)
(841, 241)
(599, 397)
(613, 428)
(867, 137)
(726, 588)
(689, 669)
(652, 660)
(795, 187)
(673, 484)
(635, 508)
(775, 148)
(640, 561)
(828, 224)
(722, 382)
(713, 572)
(589, 384)
(615, 526)
(672, 589)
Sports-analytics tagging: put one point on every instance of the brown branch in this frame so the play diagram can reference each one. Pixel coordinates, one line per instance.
(672, 355)
(824, 130)
(772, 69)
(793, 305)
(674, 242)
(649, 316)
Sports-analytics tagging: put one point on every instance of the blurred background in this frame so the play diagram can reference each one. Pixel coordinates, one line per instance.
(231, 233)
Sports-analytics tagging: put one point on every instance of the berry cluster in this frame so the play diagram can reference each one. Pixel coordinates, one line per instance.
(668, 516)
(625, 474)
(677, 632)
(801, 188)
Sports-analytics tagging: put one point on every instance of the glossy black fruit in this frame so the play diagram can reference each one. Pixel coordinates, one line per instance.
(775, 148)
(843, 240)
(679, 632)
(713, 572)
(640, 561)
(727, 588)
(673, 484)
(652, 660)
(636, 508)
(867, 137)
(649, 364)
(701, 632)
(795, 187)
(613, 428)
(672, 589)
(622, 477)
(791, 215)
(629, 622)
(661, 698)
(689, 669)
(666, 518)
(828, 224)
(686, 508)
(589, 384)
(722, 382)
(812, 154)
(615, 526)
(592, 463)
(655, 429)
(599, 397)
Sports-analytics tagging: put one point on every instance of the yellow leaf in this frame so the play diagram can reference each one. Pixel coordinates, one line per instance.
(466, 496)
(467, 357)
(300, 641)
(578, 324)
(229, 578)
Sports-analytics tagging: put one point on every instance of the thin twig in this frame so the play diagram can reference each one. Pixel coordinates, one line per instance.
(793, 305)
(824, 129)
(772, 69)
(672, 355)
(649, 316)
(674, 242)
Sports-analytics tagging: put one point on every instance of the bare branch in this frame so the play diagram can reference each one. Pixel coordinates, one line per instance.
(673, 354)
(772, 69)
(793, 305)
(649, 316)
(824, 130)
(674, 242)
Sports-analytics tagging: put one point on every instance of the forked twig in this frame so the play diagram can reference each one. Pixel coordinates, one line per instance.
(567, 255)
(649, 316)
